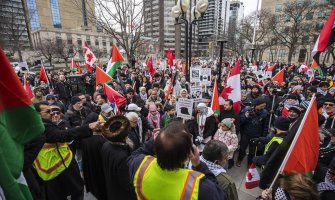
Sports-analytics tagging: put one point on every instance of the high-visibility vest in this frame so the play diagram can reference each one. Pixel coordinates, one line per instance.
(50, 162)
(279, 140)
(152, 182)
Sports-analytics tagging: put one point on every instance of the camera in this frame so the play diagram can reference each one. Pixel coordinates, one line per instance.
(276, 90)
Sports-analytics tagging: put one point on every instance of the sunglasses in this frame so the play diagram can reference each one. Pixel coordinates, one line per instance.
(55, 112)
(328, 104)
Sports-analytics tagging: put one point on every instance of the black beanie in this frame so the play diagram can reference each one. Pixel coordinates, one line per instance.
(282, 123)
(258, 101)
(75, 99)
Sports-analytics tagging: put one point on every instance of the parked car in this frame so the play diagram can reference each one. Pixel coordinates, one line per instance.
(46, 66)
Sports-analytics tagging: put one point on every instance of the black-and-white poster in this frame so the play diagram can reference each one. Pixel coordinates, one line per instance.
(195, 75)
(185, 108)
(196, 93)
(205, 76)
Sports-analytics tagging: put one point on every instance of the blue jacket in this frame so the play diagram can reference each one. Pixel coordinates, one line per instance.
(255, 126)
(208, 187)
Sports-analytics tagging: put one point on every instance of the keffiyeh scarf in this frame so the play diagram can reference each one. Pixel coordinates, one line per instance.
(214, 168)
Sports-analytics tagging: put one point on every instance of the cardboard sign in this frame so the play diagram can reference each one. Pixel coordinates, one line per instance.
(196, 93)
(184, 108)
(195, 75)
(205, 76)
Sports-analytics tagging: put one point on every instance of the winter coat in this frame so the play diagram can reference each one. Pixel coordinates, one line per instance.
(63, 89)
(256, 125)
(229, 138)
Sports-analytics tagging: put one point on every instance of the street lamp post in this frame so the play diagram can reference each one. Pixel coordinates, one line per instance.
(179, 13)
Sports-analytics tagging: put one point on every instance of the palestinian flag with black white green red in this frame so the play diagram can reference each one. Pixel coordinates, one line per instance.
(19, 124)
(326, 37)
(115, 61)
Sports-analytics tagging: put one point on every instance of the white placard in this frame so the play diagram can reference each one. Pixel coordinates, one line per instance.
(195, 75)
(184, 108)
(196, 93)
(205, 76)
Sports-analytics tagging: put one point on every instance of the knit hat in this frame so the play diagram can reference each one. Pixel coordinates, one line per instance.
(332, 89)
(258, 101)
(330, 100)
(50, 96)
(295, 109)
(282, 123)
(292, 96)
(133, 107)
(75, 99)
(228, 122)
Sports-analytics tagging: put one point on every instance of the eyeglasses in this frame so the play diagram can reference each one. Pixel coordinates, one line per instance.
(328, 104)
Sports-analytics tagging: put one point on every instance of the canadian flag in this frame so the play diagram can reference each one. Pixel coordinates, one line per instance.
(252, 177)
(232, 89)
(89, 57)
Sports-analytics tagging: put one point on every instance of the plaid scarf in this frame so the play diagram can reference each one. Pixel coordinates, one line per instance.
(214, 168)
(329, 184)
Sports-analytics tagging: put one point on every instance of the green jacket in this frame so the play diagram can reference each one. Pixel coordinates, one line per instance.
(228, 186)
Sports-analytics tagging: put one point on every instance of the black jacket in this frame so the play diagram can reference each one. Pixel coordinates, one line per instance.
(76, 118)
(115, 167)
(63, 89)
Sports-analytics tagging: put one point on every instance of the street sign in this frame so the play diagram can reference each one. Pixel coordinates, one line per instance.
(185, 108)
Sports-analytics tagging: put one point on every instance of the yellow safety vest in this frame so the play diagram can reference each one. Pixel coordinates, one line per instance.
(279, 140)
(152, 182)
(50, 162)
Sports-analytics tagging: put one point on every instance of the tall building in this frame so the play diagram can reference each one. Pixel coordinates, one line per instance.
(13, 31)
(314, 21)
(214, 25)
(68, 21)
(236, 13)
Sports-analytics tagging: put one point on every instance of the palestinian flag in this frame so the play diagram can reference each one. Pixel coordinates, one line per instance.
(73, 67)
(317, 68)
(113, 96)
(279, 77)
(19, 124)
(115, 61)
(215, 99)
(326, 37)
(101, 76)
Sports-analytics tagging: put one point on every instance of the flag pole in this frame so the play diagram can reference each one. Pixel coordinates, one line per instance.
(294, 141)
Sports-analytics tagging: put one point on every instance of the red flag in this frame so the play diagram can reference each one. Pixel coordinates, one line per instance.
(279, 76)
(27, 88)
(79, 68)
(169, 89)
(215, 99)
(114, 96)
(271, 68)
(170, 57)
(303, 153)
(101, 76)
(152, 70)
(43, 75)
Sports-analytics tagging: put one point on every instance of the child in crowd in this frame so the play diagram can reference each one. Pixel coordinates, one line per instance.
(226, 133)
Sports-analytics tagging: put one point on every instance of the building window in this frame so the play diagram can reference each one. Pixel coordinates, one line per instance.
(79, 42)
(279, 8)
(83, 4)
(309, 16)
(69, 38)
(104, 43)
(88, 40)
(34, 20)
(96, 42)
(55, 14)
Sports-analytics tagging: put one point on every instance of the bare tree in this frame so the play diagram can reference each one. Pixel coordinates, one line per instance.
(65, 51)
(47, 48)
(245, 32)
(292, 25)
(99, 52)
(121, 19)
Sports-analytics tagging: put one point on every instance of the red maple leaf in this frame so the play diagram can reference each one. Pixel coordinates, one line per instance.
(89, 57)
(226, 91)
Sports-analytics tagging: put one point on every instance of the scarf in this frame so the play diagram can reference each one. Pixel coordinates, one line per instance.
(329, 184)
(155, 120)
(288, 105)
(201, 119)
(280, 194)
(214, 168)
(144, 97)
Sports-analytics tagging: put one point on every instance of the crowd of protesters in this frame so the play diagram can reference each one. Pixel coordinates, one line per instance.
(143, 150)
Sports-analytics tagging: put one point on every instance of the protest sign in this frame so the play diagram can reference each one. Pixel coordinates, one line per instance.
(205, 76)
(195, 74)
(196, 93)
(184, 108)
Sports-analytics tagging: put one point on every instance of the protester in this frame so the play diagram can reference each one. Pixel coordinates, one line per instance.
(327, 188)
(173, 147)
(215, 156)
(114, 154)
(38, 96)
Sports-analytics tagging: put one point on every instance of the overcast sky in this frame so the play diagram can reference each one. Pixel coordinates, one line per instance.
(250, 6)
